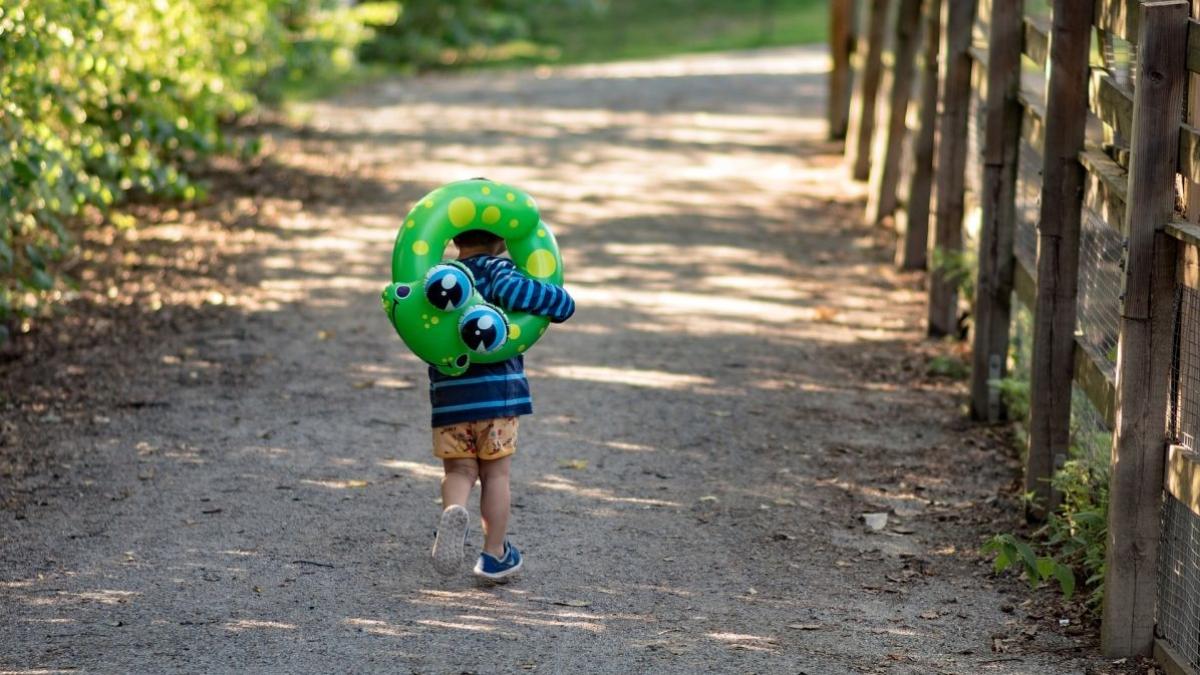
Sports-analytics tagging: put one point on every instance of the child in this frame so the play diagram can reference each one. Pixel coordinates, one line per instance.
(475, 415)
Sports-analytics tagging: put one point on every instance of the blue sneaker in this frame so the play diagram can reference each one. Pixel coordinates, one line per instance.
(448, 544)
(488, 567)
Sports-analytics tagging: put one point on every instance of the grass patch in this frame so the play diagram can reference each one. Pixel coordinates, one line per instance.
(630, 29)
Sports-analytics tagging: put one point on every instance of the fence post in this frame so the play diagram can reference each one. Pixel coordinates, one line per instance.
(1001, 142)
(913, 247)
(898, 79)
(951, 164)
(841, 76)
(1053, 364)
(862, 108)
(1145, 348)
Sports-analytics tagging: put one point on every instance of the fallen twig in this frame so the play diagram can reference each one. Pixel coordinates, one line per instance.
(314, 564)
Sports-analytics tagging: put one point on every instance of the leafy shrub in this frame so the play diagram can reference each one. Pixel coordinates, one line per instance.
(1010, 551)
(100, 99)
(958, 267)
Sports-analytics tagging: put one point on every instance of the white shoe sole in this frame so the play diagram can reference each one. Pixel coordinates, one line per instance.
(448, 544)
(498, 576)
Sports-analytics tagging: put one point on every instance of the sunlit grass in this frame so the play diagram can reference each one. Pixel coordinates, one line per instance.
(629, 29)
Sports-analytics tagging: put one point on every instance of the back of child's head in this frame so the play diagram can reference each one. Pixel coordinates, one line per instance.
(478, 239)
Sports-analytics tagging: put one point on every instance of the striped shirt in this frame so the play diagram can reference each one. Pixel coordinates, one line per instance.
(490, 390)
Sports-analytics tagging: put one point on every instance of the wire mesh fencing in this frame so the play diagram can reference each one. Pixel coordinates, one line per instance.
(1029, 193)
(1091, 437)
(1179, 580)
(1178, 608)
(1098, 305)
(1185, 394)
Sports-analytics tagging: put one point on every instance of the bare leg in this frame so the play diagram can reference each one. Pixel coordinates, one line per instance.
(494, 503)
(458, 481)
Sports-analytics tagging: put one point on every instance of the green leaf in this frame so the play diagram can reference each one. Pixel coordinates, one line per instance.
(1002, 562)
(1066, 580)
(41, 280)
(1027, 555)
(1046, 567)
(34, 255)
(1089, 518)
(24, 172)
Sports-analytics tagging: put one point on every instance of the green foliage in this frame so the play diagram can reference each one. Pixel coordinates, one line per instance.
(958, 267)
(1075, 534)
(433, 33)
(626, 29)
(1014, 391)
(101, 100)
(1078, 529)
(948, 366)
(1008, 551)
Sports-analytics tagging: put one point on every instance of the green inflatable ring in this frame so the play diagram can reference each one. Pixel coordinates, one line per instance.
(433, 304)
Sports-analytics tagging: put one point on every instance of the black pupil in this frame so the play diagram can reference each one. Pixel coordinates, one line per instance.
(462, 360)
(443, 297)
(479, 338)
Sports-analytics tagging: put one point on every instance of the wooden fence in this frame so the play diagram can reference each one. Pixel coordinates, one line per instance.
(1065, 170)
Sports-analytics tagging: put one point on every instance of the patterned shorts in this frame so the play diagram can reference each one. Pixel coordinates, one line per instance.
(483, 439)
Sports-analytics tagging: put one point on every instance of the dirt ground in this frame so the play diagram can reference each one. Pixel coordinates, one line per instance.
(222, 463)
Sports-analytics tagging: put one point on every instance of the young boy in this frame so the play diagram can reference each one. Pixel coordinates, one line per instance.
(475, 415)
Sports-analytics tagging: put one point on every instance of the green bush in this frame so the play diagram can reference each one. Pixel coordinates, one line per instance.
(100, 99)
(103, 100)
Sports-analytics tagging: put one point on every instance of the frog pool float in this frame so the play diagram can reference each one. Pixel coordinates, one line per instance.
(433, 303)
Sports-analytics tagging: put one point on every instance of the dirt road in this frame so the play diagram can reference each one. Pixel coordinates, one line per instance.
(239, 476)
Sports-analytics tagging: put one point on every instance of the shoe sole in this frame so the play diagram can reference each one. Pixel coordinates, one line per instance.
(498, 577)
(448, 544)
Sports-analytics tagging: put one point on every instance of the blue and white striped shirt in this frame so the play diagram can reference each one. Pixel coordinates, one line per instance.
(490, 390)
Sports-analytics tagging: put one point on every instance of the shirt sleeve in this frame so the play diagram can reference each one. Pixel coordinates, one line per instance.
(516, 292)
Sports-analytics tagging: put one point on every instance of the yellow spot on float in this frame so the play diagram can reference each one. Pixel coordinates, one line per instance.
(541, 263)
(434, 320)
(510, 197)
(420, 247)
(429, 203)
(521, 348)
(410, 224)
(530, 203)
(461, 212)
(514, 331)
(541, 232)
(486, 190)
(514, 223)
(491, 215)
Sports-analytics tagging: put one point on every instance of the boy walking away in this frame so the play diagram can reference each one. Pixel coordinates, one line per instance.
(475, 415)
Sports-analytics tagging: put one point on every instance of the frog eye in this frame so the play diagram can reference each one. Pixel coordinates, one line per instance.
(448, 287)
(484, 329)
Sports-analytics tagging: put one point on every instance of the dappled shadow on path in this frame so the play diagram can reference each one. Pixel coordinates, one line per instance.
(743, 379)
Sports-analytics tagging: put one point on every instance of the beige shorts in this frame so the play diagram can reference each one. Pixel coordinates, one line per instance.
(482, 439)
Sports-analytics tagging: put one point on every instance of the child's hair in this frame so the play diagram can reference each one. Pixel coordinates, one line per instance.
(477, 239)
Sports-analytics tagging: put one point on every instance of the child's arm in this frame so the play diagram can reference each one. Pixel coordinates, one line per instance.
(516, 292)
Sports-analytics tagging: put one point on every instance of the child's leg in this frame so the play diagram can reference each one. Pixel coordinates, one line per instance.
(494, 503)
(458, 481)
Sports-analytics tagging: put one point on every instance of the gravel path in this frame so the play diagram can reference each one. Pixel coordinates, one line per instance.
(246, 485)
